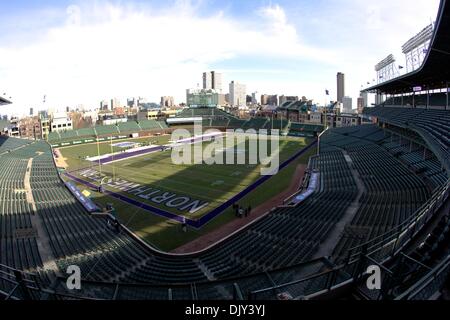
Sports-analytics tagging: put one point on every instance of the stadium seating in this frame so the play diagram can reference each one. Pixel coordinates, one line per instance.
(163, 124)
(393, 193)
(235, 123)
(77, 238)
(220, 122)
(17, 236)
(202, 112)
(420, 100)
(68, 135)
(255, 123)
(124, 128)
(282, 125)
(86, 132)
(284, 237)
(53, 137)
(149, 124)
(106, 130)
(7, 144)
(129, 126)
(304, 129)
(433, 125)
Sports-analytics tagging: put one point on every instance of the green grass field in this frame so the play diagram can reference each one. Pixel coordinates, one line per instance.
(210, 183)
(75, 154)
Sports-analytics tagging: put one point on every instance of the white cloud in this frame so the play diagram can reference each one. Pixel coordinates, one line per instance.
(100, 50)
(104, 50)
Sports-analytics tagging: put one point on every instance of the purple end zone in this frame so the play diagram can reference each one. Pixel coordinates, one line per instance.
(125, 155)
(207, 217)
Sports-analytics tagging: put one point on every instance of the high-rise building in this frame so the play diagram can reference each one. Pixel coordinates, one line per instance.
(132, 102)
(273, 100)
(264, 99)
(237, 94)
(360, 104)
(365, 97)
(340, 86)
(284, 98)
(31, 111)
(347, 104)
(222, 99)
(216, 81)
(207, 81)
(104, 105)
(269, 99)
(115, 103)
(167, 101)
(254, 98)
(212, 80)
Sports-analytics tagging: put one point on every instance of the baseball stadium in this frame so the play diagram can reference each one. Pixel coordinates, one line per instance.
(334, 202)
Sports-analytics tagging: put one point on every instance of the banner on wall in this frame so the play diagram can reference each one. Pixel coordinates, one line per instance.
(85, 201)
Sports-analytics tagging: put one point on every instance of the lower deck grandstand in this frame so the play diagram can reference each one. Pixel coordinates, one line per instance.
(364, 168)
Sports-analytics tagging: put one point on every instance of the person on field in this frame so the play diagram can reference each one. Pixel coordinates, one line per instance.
(184, 225)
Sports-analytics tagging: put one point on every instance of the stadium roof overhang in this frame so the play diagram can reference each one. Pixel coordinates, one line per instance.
(435, 71)
(4, 101)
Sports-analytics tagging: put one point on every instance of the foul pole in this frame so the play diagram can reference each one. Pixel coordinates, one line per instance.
(112, 155)
(98, 154)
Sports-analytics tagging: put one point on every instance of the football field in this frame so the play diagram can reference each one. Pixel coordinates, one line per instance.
(190, 189)
(152, 193)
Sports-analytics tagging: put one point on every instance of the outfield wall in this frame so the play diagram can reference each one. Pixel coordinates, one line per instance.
(84, 140)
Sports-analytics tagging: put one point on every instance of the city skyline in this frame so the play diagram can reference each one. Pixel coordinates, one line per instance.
(66, 54)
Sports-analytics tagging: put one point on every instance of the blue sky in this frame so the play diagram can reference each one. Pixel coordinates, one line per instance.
(81, 52)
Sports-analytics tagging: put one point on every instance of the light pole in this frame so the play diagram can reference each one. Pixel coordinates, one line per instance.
(320, 134)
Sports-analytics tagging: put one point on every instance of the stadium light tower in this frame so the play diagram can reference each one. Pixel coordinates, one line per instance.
(416, 48)
(386, 69)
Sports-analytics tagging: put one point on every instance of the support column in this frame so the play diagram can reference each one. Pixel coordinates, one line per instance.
(446, 107)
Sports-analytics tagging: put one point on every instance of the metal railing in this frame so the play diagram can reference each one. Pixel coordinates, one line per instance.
(15, 284)
(391, 242)
(429, 284)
